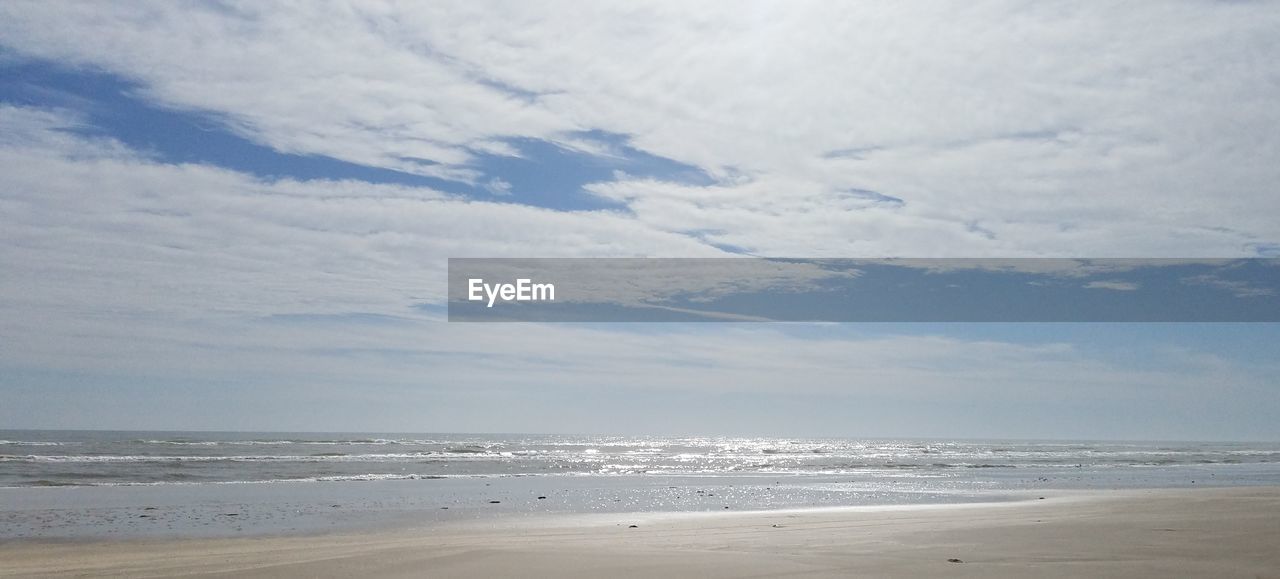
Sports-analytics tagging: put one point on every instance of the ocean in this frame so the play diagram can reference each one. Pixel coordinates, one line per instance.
(93, 483)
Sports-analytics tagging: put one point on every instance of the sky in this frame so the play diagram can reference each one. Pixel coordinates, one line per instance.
(238, 215)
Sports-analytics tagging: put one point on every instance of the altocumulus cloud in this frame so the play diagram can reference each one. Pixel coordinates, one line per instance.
(1004, 129)
(937, 130)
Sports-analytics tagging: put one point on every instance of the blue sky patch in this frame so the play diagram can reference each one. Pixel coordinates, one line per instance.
(546, 174)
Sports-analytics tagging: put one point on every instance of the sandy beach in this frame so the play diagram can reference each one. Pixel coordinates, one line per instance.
(1152, 533)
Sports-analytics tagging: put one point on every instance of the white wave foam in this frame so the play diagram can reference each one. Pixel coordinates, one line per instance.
(343, 442)
(35, 443)
(384, 457)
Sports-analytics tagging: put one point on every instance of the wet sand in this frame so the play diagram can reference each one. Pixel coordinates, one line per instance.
(1156, 533)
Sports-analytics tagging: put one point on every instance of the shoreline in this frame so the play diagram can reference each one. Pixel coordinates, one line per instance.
(1223, 531)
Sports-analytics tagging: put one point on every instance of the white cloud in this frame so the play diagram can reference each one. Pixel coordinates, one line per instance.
(1240, 289)
(1124, 286)
(741, 358)
(186, 268)
(498, 187)
(89, 226)
(1006, 129)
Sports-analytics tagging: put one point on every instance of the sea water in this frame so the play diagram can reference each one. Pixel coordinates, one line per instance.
(105, 483)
